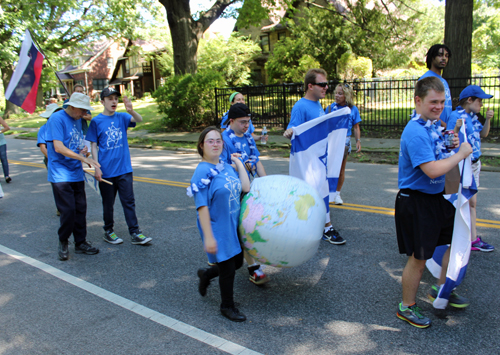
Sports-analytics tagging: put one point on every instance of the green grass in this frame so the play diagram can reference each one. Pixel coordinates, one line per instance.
(161, 143)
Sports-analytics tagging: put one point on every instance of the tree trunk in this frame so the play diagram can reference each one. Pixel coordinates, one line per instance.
(458, 37)
(10, 108)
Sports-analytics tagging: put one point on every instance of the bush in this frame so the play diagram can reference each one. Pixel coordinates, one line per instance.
(188, 100)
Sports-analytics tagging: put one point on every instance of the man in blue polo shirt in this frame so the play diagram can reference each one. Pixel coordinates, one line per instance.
(437, 58)
(108, 131)
(66, 153)
(424, 218)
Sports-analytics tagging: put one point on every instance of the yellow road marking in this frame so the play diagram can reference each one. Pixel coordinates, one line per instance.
(346, 206)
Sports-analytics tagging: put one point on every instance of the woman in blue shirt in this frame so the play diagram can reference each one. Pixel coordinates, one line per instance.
(344, 96)
(216, 188)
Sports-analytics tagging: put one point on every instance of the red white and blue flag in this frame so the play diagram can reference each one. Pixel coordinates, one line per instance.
(460, 244)
(23, 85)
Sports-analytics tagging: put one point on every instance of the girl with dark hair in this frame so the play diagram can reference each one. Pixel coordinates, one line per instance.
(216, 188)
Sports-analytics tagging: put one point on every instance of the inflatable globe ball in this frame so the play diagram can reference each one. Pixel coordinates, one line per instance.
(281, 221)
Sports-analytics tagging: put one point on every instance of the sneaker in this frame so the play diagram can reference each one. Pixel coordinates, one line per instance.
(333, 237)
(257, 276)
(112, 238)
(63, 251)
(204, 282)
(86, 248)
(337, 200)
(8, 179)
(478, 244)
(233, 313)
(413, 316)
(455, 300)
(139, 238)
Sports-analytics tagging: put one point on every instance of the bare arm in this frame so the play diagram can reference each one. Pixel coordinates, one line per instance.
(62, 149)
(260, 169)
(206, 226)
(357, 136)
(43, 149)
(242, 172)
(95, 156)
(5, 126)
(437, 168)
(288, 133)
(128, 106)
(486, 127)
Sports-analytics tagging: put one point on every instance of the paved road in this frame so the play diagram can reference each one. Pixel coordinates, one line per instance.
(143, 300)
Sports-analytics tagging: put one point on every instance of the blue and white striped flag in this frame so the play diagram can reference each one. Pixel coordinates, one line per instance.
(460, 244)
(317, 151)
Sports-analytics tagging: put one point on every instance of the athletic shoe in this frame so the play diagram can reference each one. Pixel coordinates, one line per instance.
(337, 200)
(8, 179)
(204, 282)
(455, 300)
(478, 244)
(413, 316)
(86, 248)
(63, 251)
(257, 276)
(233, 313)
(139, 238)
(112, 238)
(333, 237)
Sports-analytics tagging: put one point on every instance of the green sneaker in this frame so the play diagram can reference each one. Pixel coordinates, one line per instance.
(455, 300)
(139, 238)
(413, 316)
(112, 238)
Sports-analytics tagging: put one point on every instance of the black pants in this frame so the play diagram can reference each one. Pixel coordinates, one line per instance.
(226, 271)
(71, 202)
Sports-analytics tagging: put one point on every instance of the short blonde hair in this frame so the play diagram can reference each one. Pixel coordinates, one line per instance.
(348, 93)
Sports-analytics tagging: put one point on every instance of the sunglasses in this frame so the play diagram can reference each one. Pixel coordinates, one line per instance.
(323, 84)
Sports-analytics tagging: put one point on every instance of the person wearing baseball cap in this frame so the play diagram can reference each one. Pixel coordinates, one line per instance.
(66, 152)
(108, 132)
(470, 104)
(237, 98)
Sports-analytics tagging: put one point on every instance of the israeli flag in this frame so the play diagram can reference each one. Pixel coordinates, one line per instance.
(460, 244)
(317, 151)
(91, 181)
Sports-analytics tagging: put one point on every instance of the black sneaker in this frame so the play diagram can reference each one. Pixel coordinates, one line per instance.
(455, 299)
(86, 248)
(8, 179)
(233, 314)
(63, 251)
(204, 282)
(111, 237)
(333, 237)
(413, 316)
(139, 238)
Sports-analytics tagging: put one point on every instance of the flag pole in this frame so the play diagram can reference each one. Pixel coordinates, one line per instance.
(50, 64)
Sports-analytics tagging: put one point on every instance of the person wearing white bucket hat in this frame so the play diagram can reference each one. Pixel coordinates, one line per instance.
(65, 172)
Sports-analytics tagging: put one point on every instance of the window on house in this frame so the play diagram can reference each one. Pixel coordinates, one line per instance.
(110, 62)
(281, 35)
(99, 84)
(264, 44)
(127, 67)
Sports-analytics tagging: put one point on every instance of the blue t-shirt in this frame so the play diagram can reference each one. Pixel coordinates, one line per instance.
(64, 128)
(473, 129)
(42, 135)
(354, 118)
(229, 147)
(305, 110)
(445, 115)
(416, 149)
(110, 134)
(224, 123)
(222, 197)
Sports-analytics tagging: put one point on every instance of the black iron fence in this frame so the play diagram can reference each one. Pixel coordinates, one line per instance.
(382, 103)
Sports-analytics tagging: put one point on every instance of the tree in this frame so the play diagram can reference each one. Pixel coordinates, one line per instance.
(187, 29)
(458, 37)
(486, 35)
(63, 24)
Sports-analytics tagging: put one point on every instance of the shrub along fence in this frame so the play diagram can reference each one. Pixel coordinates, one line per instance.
(382, 103)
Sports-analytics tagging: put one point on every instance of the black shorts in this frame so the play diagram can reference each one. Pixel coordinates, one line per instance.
(423, 222)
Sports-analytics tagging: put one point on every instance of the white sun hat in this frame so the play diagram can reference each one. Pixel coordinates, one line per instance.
(49, 110)
(79, 100)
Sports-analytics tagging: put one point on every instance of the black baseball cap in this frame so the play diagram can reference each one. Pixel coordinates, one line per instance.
(239, 110)
(109, 91)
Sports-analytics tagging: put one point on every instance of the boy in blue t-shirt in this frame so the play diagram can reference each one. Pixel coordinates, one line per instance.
(108, 132)
(424, 218)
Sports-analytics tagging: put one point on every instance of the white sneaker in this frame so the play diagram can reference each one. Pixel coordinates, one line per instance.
(337, 200)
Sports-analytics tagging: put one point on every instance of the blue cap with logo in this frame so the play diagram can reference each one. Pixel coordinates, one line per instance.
(474, 91)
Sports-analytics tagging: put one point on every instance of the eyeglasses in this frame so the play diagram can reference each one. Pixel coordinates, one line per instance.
(323, 84)
(244, 122)
(214, 141)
